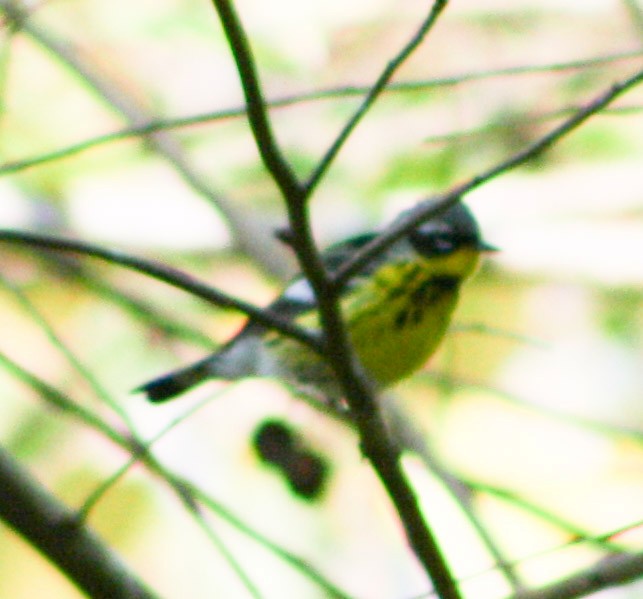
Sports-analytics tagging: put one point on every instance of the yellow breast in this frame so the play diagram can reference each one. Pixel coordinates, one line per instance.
(398, 319)
(395, 317)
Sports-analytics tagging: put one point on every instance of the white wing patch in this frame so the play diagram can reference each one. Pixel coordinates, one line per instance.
(300, 292)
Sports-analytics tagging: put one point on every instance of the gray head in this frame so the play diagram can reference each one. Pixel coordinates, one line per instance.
(447, 232)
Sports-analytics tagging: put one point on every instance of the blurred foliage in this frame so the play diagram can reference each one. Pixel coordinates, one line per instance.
(533, 403)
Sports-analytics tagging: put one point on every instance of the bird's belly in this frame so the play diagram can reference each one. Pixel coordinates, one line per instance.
(397, 337)
(395, 323)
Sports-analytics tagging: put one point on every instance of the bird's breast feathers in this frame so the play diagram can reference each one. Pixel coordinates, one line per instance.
(396, 326)
(396, 317)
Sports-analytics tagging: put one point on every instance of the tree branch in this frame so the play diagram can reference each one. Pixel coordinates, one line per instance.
(374, 92)
(612, 571)
(52, 528)
(376, 441)
(429, 208)
(267, 145)
(190, 495)
(165, 273)
(344, 91)
(165, 145)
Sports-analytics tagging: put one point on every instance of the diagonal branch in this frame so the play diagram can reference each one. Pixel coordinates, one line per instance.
(165, 273)
(161, 142)
(265, 139)
(429, 208)
(374, 93)
(612, 571)
(345, 91)
(376, 442)
(189, 494)
(52, 528)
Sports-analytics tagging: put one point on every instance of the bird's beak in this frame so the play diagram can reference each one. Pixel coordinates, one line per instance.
(487, 247)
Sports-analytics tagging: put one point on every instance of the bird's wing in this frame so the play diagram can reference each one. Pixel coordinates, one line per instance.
(298, 297)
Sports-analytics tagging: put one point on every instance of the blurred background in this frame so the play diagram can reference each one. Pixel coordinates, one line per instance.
(122, 125)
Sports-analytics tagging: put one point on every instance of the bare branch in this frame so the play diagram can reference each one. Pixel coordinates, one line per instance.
(267, 145)
(612, 571)
(52, 528)
(376, 442)
(429, 208)
(189, 494)
(346, 91)
(158, 140)
(74, 361)
(165, 273)
(374, 92)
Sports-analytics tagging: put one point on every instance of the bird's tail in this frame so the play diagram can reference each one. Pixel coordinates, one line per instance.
(237, 358)
(178, 381)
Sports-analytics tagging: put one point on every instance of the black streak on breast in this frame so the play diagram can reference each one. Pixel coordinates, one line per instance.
(423, 297)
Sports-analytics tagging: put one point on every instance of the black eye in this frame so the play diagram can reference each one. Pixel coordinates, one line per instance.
(433, 243)
(442, 244)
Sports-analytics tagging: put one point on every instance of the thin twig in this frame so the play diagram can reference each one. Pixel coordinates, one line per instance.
(629, 432)
(141, 310)
(50, 526)
(610, 572)
(437, 204)
(374, 92)
(72, 268)
(165, 273)
(63, 535)
(375, 440)
(413, 440)
(248, 237)
(99, 492)
(185, 490)
(74, 361)
(544, 514)
(550, 550)
(61, 402)
(346, 91)
(522, 122)
(297, 563)
(258, 119)
(199, 517)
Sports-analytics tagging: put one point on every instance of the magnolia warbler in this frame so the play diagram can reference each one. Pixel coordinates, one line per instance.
(396, 309)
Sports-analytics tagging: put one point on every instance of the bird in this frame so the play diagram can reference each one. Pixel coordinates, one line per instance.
(396, 310)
